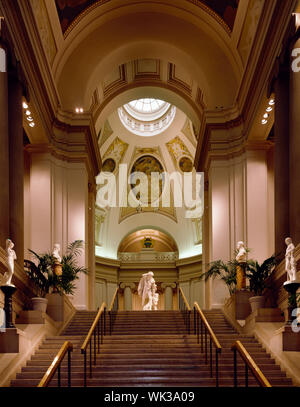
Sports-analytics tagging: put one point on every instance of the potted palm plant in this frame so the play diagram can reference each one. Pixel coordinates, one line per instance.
(46, 281)
(258, 275)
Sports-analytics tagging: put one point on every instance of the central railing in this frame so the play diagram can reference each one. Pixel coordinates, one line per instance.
(96, 333)
(55, 366)
(249, 364)
(204, 332)
(113, 309)
(185, 309)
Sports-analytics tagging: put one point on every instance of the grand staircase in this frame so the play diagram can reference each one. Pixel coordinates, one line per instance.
(149, 348)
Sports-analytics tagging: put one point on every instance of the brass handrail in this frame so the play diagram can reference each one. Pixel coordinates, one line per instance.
(113, 299)
(208, 327)
(184, 299)
(201, 322)
(93, 327)
(258, 374)
(66, 347)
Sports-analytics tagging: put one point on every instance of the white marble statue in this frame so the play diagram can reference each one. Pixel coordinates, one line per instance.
(11, 257)
(290, 264)
(241, 257)
(147, 289)
(56, 254)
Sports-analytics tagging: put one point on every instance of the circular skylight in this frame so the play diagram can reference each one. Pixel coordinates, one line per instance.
(147, 109)
(147, 117)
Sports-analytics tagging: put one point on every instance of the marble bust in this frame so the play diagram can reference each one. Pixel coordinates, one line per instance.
(241, 257)
(290, 264)
(147, 289)
(10, 257)
(56, 254)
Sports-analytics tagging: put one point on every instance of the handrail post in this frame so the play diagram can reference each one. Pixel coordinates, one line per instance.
(69, 368)
(195, 321)
(205, 345)
(210, 358)
(246, 375)
(189, 321)
(217, 368)
(58, 376)
(95, 347)
(234, 368)
(90, 357)
(84, 364)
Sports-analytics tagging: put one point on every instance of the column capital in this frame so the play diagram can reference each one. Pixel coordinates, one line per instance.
(123, 285)
(165, 285)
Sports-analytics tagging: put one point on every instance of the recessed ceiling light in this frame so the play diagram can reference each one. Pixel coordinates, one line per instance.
(29, 118)
(31, 124)
(264, 121)
(266, 115)
(272, 102)
(25, 105)
(269, 109)
(28, 112)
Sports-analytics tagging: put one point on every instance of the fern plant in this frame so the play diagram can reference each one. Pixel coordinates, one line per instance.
(226, 272)
(70, 267)
(258, 274)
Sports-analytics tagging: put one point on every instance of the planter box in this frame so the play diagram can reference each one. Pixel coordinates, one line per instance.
(30, 317)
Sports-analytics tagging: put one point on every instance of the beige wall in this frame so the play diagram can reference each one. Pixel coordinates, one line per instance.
(56, 210)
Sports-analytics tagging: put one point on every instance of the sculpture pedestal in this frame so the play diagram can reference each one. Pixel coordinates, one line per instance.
(291, 287)
(290, 340)
(8, 291)
(241, 276)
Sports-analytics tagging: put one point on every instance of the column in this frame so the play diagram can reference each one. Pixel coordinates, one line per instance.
(294, 154)
(127, 287)
(4, 153)
(281, 171)
(168, 287)
(16, 166)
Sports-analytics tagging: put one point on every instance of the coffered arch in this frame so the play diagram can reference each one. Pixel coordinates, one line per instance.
(112, 41)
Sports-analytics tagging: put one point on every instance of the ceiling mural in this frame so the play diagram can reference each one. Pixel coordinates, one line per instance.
(69, 10)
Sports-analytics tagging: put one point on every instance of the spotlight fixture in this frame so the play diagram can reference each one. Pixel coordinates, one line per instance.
(264, 121)
(79, 110)
(32, 124)
(25, 105)
(28, 112)
(266, 115)
(272, 102)
(269, 109)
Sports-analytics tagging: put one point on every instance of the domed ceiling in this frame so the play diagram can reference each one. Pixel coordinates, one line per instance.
(69, 10)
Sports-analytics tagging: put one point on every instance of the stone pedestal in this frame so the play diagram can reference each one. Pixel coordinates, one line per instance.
(241, 276)
(30, 317)
(8, 291)
(291, 287)
(9, 341)
(242, 305)
(168, 287)
(55, 307)
(290, 340)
